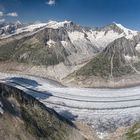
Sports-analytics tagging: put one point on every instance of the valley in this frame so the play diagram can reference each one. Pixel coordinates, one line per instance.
(90, 76)
(105, 110)
(69, 70)
(72, 54)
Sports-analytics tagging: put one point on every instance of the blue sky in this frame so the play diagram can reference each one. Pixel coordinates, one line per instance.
(84, 12)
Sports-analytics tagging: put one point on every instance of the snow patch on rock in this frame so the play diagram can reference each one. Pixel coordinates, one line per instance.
(51, 43)
(1, 106)
(64, 43)
(101, 135)
(131, 58)
(138, 47)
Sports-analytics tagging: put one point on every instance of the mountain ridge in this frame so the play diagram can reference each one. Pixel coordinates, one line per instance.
(63, 48)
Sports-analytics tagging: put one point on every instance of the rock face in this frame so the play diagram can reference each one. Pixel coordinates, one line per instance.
(7, 29)
(118, 60)
(51, 45)
(74, 54)
(22, 117)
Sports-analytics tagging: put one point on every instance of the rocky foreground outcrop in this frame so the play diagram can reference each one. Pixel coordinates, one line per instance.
(22, 117)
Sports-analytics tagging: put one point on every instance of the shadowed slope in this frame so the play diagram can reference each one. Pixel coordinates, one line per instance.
(22, 117)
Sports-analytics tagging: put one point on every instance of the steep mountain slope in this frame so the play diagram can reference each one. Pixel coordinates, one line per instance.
(103, 36)
(55, 39)
(22, 117)
(119, 60)
(59, 49)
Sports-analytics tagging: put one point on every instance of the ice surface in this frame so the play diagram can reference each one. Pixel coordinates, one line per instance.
(104, 109)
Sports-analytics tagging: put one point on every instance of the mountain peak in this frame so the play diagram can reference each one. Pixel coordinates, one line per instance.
(124, 29)
(56, 24)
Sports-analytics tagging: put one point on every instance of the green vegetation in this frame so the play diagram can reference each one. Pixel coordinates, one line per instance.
(7, 50)
(101, 66)
(134, 132)
(42, 125)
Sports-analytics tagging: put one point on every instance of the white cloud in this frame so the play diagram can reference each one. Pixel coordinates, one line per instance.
(13, 14)
(2, 20)
(1, 14)
(51, 2)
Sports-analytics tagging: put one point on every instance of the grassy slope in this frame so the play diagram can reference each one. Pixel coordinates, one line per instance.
(134, 132)
(101, 66)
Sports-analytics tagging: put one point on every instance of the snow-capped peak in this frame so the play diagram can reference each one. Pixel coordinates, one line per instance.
(16, 30)
(125, 30)
(30, 28)
(55, 24)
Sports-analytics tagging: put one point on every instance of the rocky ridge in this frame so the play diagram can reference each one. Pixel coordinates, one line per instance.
(71, 53)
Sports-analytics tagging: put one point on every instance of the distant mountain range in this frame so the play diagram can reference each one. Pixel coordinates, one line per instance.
(72, 54)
